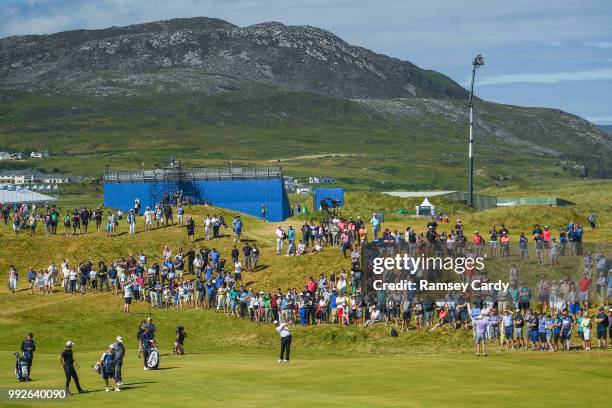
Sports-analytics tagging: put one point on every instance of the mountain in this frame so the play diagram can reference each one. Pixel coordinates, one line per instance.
(210, 55)
(208, 91)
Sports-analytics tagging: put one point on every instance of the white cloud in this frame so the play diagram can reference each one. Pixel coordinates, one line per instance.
(604, 44)
(547, 78)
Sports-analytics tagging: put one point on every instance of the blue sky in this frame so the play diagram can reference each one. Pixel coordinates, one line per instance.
(537, 52)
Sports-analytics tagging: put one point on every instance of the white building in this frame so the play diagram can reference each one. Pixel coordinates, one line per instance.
(290, 183)
(321, 180)
(31, 177)
(10, 156)
(39, 155)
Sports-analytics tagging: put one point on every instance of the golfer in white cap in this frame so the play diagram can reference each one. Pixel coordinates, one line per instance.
(67, 361)
(285, 336)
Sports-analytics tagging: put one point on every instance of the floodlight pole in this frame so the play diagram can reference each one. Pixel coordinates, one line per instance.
(478, 61)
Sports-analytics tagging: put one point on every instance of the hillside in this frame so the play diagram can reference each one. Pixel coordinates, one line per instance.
(210, 56)
(207, 91)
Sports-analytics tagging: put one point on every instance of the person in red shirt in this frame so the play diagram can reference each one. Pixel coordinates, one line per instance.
(478, 244)
(311, 286)
(546, 237)
(584, 285)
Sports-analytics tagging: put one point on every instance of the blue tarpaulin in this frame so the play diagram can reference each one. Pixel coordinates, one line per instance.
(327, 194)
(246, 196)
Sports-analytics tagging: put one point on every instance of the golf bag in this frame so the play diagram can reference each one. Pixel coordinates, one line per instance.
(97, 367)
(21, 367)
(153, 359)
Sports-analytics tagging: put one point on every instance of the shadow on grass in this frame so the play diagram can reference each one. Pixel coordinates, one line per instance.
(139, 383)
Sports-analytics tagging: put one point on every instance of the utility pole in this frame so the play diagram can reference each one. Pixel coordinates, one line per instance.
(477, 63)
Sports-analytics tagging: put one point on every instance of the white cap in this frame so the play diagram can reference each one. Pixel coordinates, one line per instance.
(276, 322)
(119, 339)
(69, 343)
(111, 346)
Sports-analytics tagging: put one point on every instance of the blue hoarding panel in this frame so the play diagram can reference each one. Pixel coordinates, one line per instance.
(326, 194)
(245, 196)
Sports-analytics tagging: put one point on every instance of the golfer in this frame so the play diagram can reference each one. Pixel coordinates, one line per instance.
(285, 336)
(119, 350)
(481, 324)
(67, 361)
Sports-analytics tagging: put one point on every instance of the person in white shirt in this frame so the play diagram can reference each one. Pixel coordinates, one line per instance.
(316, 249)
(148, 215)
(375, 316)
(280, 237)
(301, 247)
(93, 278)
(52, 269)
(65, 275)
(127, 297)
(207, 228)
(132, 222)
(285, 336)
(47, 282)
(341, 285)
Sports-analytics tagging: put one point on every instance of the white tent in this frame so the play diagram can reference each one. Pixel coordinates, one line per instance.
(425, 209)
(23, 196)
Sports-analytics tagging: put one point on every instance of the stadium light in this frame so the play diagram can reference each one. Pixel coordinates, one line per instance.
(477, 63)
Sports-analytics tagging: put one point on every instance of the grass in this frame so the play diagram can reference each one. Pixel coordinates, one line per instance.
(427, 151)
(233, 362)
(253, 378)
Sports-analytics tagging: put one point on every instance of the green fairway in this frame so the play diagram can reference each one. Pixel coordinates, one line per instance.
(239, 378)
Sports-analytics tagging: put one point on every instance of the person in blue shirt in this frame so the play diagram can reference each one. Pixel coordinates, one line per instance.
(242, 302)
(237, 226)
(214, 257)
(542, 331)
(28, 347)
(375, 226)
(523, 247)
(211, 291)
(556, 330)
(32, 279)
(567, 324)
(571, 237)
(508, 322)
(333, 306)
(475, 311)
(574, 307)
(291, 235)
(562, 243)
(578, 239)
